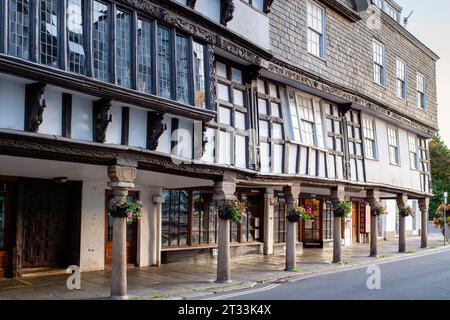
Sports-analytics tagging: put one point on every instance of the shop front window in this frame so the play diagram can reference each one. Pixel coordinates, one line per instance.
(279, 218)
(2, 215)
(204, 219)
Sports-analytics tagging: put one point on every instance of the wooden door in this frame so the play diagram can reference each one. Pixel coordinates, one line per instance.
(355, 222)
(311, 232)
(132, 230)
(46, 236)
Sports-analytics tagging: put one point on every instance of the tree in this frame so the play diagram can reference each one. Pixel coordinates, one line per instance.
(440, 172)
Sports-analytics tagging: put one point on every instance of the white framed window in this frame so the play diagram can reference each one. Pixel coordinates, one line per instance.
(378, 3)
(370, 138)
(258, 4)
(392, 12)
(306, 116)
(378, 63)
(316, 18)
(413, 152)
(394, 155)
(401, 79)
(421, 97)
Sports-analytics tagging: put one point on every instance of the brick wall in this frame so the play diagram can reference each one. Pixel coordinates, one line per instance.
(348, 55)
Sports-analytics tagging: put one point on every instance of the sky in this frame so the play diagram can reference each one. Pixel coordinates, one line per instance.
(430, 23)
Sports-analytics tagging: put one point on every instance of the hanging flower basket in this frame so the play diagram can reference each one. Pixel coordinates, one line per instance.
(439, 220)
(379, 210)
(233, 210)
(121, 208)
(406, 212)
(343, 210)
(298, 213)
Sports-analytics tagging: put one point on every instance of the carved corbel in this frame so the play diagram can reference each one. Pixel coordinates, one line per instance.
(226, 11)
(267, 5)
(252, 73)
(101, 118)
(345, 107)
(155, 128)
(191, 3)
(35, 105)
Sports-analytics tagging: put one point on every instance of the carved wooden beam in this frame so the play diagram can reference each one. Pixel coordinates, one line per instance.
(267, 5)
(101, 119)
(226, 11)
(191, 3)
(34, 106)
(155, 128)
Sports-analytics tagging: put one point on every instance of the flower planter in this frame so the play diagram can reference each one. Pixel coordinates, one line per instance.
(293, 218)
(119, 212)
(225, 214)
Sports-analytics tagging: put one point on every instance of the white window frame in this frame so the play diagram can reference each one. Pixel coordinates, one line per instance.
(376, 45)
(421, 94)
(370, 135)
(413, 149)
(401, 76)
(317, 29)
(397, 146)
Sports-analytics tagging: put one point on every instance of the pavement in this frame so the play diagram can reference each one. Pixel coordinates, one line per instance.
(195, 280)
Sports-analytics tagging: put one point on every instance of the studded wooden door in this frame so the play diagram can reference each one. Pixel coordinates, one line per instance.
(45, 225)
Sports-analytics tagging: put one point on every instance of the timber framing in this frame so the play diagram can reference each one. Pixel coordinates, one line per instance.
(61, 149)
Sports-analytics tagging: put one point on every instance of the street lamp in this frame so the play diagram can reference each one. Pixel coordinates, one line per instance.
(445, 213)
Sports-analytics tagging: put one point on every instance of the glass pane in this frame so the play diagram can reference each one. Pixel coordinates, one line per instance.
(19, 28)
(100, 41)
(275, 110)
(75, 49)
(199, 75)
(123, 49)
(277, 131)
(144, 56)
(182, 70)
(2, 219)
(240, 121)
(165, 218)
(221, 70)
(225, 115)
(223, 92)
(264, 129)
(49, 32)
(238, 97)
(262, 106)
(236, 75)
(164, 63)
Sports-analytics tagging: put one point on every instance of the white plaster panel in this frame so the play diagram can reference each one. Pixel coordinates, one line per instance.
(12, 104)
(144, 227)
(52, 117)
(209, 8)
(185, 139)
(138, 128)
(92, 248)
(114, 132)
(210, 146)
(165, 141)
(81, 118)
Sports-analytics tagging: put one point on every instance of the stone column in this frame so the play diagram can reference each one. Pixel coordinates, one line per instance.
(424, 205)
(156, 225)
(402, 203)
(291, 196)
(337, 195)
(224, 191)
(373, 197)
(268, 221)
(121, 180)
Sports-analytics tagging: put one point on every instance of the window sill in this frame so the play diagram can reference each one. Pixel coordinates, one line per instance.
(322, 59)
(395, 164)
(380, 85)
(372, 159)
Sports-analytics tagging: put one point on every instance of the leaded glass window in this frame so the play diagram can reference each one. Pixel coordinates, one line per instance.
(19, 28)
(49, 32)
(75, 51)
(182, 69)
(100, 41)
(123, 49)
(144, 56)
(164, 63)
(199, 75)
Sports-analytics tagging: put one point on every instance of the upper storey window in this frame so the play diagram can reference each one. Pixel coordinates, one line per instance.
(316, 42)
(421, 97)
(100, 41)
(370, 138)
(258, 4)
(386, 7)
(19, 28)
(378, 63)
(49, 33)
(401, 79)
(123, 49)
(76, 54)
(394, 154)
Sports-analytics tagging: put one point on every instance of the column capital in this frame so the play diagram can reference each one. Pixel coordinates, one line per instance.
(373, 194)
(338, 194)
(158, 199)
(224, 191)
(402, 201)
(424, 204)
(291, 194)
(122, 174)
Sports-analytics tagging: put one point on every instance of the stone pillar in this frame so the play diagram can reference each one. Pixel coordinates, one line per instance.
(155, 229)
(424, 205)
(402, 203)
(121, 180)
(337, 195)
(373, 197)
(268, 221)
(224, 192)
(291, 196)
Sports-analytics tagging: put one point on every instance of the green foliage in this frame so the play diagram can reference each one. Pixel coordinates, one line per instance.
(343, 209)
(440, 172)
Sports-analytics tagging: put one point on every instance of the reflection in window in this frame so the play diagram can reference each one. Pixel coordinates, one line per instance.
(19, 28)
(204, 219)
(2, 215)
(75, 51)
(175, 211)
(164, 63)
(123, 49)
(144, 52)
(182, 69)
(199, 75)
(279, 218)
(49, 32)
(100, 41)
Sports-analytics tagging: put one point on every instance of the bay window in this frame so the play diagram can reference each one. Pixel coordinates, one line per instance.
(101, 41)
(144, 56)
(164, 62)
(76, 54)
(199, 75)
(123, 48)
(182, 69)
(335, 141)
(352, 119)
(49, 32)
(19, 28)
